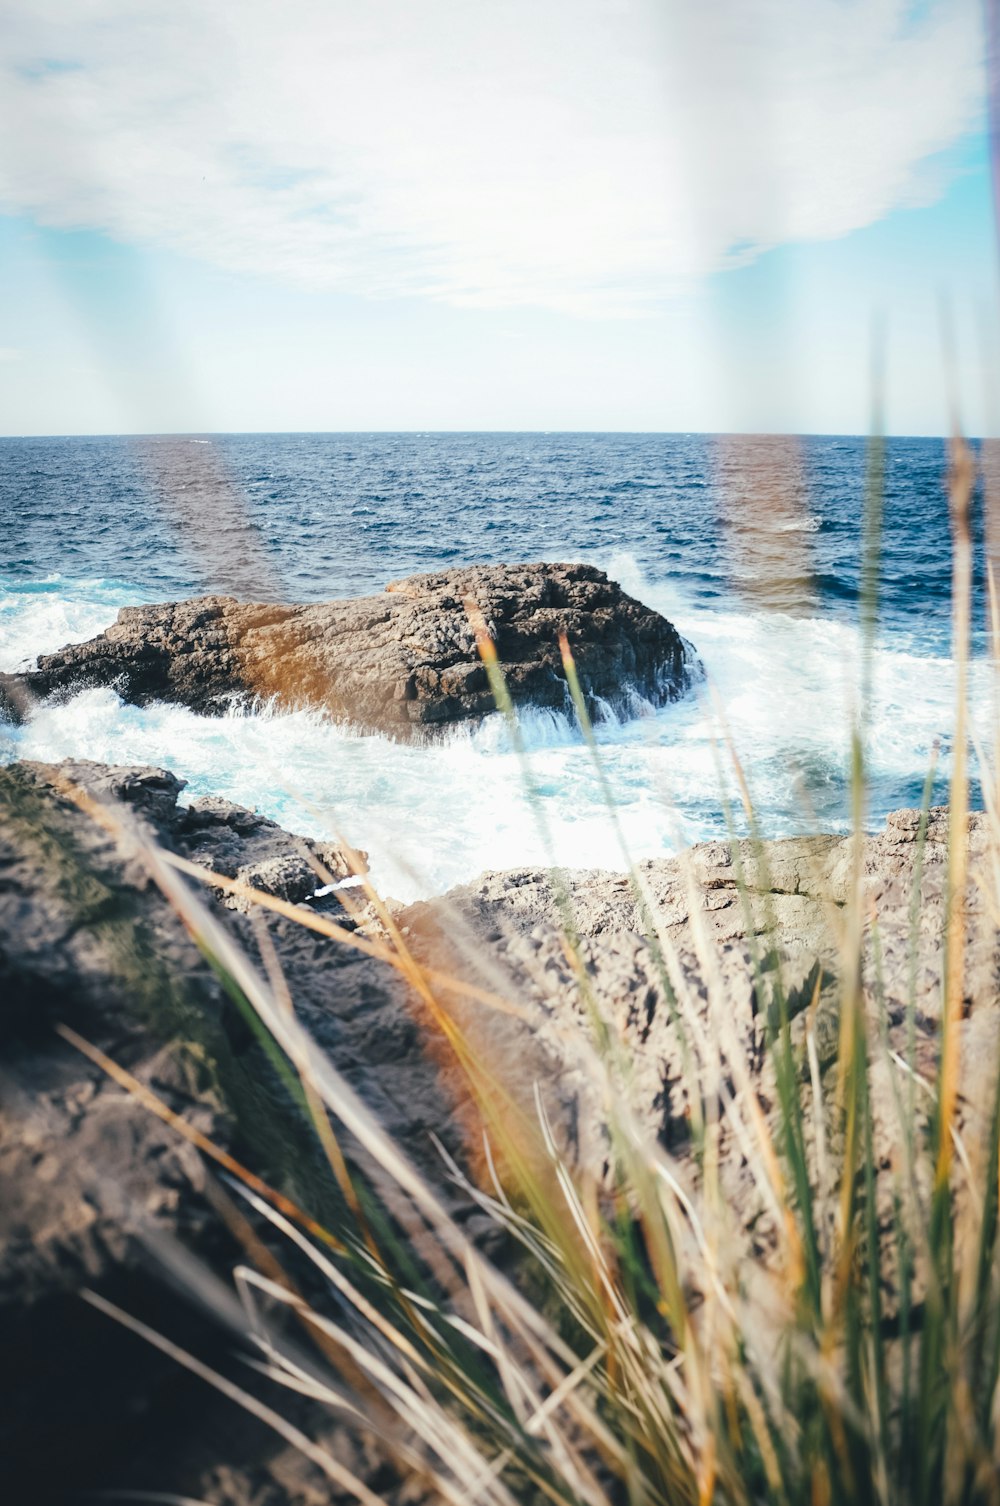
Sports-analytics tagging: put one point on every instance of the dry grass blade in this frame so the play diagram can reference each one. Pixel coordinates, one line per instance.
(310, 921)
(961, 482)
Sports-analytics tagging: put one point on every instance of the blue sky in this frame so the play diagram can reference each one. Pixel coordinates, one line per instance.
(610, 214)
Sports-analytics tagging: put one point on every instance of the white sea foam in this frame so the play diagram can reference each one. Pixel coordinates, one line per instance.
(437, 814)
(53, 612)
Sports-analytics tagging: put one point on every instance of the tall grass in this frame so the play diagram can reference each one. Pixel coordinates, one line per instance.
(632, 1346)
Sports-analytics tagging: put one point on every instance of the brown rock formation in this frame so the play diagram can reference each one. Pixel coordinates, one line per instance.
(395, 663)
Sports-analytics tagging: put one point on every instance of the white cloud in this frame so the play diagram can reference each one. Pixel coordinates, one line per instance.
(10, 353)
(584, 155)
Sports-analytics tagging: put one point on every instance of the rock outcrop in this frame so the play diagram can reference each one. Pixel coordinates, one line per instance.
(97, 1192)
(727, 934)
(93, 1184)
(395, 663)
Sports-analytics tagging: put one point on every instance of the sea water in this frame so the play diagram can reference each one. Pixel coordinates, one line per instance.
(751, 546)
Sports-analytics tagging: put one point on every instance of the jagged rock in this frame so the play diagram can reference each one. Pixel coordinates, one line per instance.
(396, 663)
(793, 887)
(241, 844)
(91, 1181)
(724, 949)
(96, 1189)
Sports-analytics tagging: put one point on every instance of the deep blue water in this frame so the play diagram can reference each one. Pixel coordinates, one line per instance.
(752, 545)
(317, 515)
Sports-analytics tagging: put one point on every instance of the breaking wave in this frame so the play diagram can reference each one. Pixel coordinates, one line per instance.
(436, 814)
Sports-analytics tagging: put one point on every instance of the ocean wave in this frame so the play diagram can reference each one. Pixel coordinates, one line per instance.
(437, 813)
(53, 612)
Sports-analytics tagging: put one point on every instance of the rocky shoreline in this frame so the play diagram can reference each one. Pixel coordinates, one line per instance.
(98, 1192)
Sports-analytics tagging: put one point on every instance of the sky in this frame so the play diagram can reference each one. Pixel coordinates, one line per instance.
(666, 215)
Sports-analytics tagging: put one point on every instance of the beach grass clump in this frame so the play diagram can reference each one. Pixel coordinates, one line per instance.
(640, 1336)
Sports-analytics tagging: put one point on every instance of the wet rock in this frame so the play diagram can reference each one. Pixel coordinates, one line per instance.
(399, 663)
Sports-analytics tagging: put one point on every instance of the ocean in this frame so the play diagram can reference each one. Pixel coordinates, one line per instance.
(751, 546)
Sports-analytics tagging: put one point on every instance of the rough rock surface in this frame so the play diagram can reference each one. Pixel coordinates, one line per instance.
(727, 945)
(95, 1189)
(394, 663)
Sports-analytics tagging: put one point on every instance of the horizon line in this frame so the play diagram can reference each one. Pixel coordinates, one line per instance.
(419, 433)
